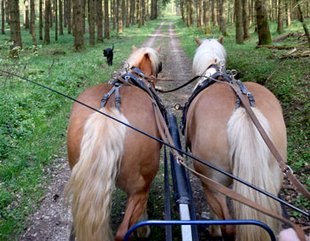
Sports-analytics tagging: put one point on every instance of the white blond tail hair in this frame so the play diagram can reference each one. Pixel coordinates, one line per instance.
(93, 178)
(253, 162)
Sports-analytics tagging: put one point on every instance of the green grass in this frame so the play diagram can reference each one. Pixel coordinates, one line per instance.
(33, 120)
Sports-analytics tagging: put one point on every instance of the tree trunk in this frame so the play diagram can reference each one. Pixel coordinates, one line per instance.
(132, 11)
(138, 13)
(32, 22)
(41, 19)
(206, 16)
(106, 20)
(119, 18)
(91, 21)
(142, 19)
(7, 11)
(56, 19)
(61, 29)
(264, 36)
(182, 9)
(113, 13)
(280, 17)
(47, 22)
(199, 13)
(15, 23)
(78, 24)
(190, 12)
(252, 11)
(26, 20)
(99, 21)
(69, 16)
(245, 19)
(288, 14)
(301, 19)
(128, 13)
(154, 9)
(2, 17)
(239, 22)
(213, 13)
(222, 16)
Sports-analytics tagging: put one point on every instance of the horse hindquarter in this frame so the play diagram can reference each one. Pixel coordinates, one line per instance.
(254, 163)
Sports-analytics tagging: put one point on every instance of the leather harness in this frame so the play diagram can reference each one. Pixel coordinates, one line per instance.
(218, 76)
(132, 77)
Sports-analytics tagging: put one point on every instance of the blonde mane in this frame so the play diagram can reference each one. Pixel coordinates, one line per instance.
(209, 52)
(136, 57)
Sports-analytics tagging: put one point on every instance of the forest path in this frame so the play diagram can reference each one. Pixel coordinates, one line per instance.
(52, 220)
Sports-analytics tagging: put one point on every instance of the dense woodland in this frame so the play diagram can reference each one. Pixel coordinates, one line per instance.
(98, 17)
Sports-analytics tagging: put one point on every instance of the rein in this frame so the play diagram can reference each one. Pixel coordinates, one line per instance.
(168, 141)
(179, 87)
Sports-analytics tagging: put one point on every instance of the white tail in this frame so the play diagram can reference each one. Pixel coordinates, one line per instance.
(93, 178)
(253, 162)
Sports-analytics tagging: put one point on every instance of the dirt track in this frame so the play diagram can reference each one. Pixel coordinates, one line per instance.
(52, 221)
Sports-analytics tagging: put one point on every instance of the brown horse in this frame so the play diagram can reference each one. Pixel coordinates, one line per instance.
(104, 153)
(223, 134)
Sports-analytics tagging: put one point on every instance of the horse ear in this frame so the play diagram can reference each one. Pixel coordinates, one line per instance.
(134, 48)
(221, 40)
(198, 41)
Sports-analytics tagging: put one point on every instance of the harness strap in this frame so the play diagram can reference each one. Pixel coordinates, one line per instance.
(132, 79)
(105, 98)
(190, 81)
(284, 167)
(179, 87)
(117, 96)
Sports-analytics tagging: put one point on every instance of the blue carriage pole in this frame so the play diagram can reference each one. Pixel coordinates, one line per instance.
(181, 184)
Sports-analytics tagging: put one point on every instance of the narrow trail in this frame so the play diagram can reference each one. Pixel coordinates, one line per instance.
(52, 220)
